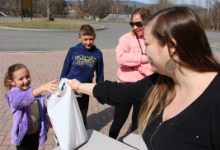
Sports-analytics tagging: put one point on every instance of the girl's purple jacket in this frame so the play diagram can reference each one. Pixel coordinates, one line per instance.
(19, 101)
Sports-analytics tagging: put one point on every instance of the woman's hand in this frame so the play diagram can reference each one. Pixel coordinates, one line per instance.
(85, 88)
(73, 84)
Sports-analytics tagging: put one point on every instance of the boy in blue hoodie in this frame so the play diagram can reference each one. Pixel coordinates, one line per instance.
(81, 62)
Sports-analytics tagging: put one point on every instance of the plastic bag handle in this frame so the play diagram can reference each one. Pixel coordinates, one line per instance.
(62, 81)
(52, 103)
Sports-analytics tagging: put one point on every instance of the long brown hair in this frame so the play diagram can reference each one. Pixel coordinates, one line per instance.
(144, 14)
(192, 49)
(9, 76)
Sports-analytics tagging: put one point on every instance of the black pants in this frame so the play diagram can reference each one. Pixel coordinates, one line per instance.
(29, 142)
(83, 106)
(120, 116)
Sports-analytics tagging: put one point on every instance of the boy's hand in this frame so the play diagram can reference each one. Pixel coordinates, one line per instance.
(50, 86)
(73, 84)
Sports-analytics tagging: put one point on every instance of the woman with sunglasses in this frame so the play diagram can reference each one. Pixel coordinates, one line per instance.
(130, 54)
(180, 103)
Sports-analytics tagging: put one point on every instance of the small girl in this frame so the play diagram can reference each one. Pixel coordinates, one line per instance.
(30, 123)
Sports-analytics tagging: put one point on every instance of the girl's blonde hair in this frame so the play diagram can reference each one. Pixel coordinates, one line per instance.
(9, 76)
(192, 48)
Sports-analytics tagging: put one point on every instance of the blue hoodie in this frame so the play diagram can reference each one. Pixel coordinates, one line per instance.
(80, 64)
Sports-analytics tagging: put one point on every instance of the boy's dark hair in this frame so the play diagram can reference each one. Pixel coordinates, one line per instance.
(86, 29)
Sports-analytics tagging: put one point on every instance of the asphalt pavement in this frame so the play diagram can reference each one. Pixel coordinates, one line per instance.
(21, 40)
(43, 40)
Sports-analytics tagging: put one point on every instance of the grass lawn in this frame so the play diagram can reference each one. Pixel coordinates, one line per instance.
(93, 20)
(35, 24)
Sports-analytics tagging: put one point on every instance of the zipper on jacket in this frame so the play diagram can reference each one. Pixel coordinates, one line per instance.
(154, 134)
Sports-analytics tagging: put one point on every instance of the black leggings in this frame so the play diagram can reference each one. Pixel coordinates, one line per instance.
(29, 142)
(120, 116)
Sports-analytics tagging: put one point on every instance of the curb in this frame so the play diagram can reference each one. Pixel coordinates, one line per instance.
(24, 29)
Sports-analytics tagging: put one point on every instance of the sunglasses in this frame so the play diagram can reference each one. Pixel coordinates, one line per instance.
(138, 24)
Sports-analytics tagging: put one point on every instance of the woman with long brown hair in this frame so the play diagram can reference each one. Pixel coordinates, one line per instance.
(180, 107)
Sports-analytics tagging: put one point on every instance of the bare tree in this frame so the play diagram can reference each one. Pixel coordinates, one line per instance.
(112, 9)
(174, 2)
(209, 5)
(154, 2)
(86, 8)
(90, 7)
(42, 8)
(123, 3)
(79, 9)
(160, 4)
(105, 8)
(197, 5)
(14, 6)
(49, 4)
(164, 3)
(45, 6)
(117, 5)
(215, 14)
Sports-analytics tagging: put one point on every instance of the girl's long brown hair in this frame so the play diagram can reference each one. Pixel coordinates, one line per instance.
(192, 49)
(9, 76)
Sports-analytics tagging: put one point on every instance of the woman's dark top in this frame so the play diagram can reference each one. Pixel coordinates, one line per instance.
(196, 128)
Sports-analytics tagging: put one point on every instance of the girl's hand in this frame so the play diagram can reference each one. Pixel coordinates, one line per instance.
(73, 84)
(50, 86)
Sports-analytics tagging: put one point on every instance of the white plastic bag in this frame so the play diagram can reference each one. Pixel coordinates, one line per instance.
(66, 118)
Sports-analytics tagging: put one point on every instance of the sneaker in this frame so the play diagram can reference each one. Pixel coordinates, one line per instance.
(56, 140)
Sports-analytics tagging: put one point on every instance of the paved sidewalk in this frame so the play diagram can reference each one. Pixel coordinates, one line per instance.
(45, 67)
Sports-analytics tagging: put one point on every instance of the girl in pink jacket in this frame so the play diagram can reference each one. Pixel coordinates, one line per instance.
(130, 54)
